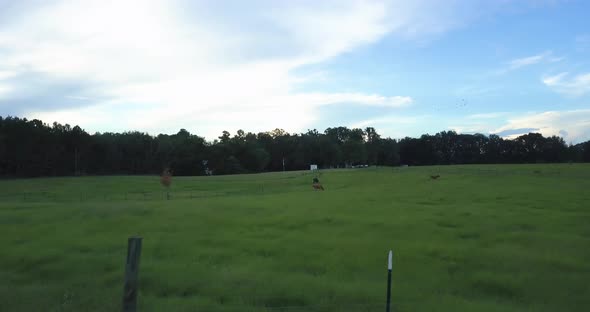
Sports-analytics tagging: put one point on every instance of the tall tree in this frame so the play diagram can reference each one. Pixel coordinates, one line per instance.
(33, 148)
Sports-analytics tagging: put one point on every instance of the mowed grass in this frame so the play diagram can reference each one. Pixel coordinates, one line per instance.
(480, 238)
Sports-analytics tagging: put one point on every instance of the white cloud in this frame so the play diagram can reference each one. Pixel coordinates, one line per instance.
(150, 65)
(582, 42)
(399, 126)
(526, 61)
(515, 64)
(553, 80)
(4, 90)
(4, 74)
(260, 112)
(573, 125)
(330, 30)
(160, 65)
(575, 86)
(75, 97)
(556, 59)
(395, 120)
(470, 128)
(358, 98)
(488, 115)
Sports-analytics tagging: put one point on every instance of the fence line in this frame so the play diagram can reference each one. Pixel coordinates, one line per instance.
(131, 287)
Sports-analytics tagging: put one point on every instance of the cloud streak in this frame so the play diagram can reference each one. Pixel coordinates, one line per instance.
(575, 86)
(526, 61)
(488, 115)
(519, 63)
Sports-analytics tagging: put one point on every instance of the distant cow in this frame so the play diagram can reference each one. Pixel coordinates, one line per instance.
(317, 186)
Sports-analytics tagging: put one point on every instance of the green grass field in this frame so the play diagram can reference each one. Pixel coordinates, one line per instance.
(481, 238)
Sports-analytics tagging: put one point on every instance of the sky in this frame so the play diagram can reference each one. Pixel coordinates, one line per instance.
(405, 68)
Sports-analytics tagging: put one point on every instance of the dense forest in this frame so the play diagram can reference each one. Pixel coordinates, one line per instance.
(32, 148)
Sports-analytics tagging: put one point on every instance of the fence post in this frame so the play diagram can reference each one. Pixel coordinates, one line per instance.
(389, 267)
(131, 274)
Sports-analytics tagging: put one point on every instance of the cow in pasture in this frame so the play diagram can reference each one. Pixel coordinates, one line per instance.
(317, 185)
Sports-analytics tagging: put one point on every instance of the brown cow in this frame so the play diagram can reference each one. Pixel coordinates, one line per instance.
(317, 186)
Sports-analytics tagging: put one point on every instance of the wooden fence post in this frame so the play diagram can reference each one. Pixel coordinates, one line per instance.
(131, 274)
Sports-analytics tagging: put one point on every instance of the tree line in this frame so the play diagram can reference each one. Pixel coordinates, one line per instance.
(31, 148)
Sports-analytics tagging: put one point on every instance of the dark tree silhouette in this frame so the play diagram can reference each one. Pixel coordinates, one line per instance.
(33, 148)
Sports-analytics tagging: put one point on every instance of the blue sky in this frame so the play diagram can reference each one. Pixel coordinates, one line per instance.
(502, 67)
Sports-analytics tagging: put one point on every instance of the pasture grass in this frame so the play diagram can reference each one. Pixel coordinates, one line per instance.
(480, 238)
